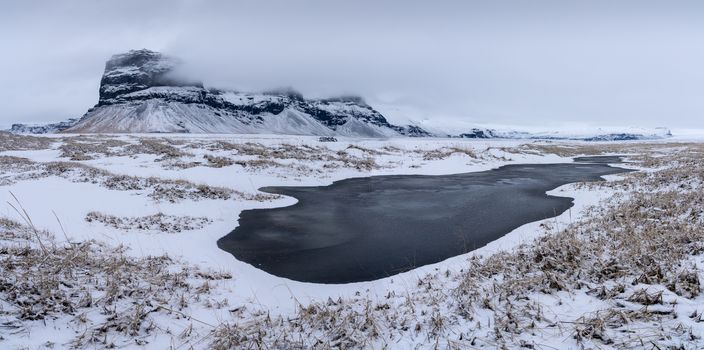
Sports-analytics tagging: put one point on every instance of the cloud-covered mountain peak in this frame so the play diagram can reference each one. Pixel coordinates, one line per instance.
(140, 91)
(138, 70)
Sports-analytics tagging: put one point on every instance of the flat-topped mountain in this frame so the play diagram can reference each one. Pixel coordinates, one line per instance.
(141, 92)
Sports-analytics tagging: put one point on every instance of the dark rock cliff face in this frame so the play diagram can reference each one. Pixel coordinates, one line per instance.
(331, 118)
(138, 70)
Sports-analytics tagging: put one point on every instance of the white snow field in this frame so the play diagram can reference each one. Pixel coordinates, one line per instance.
(176, 195)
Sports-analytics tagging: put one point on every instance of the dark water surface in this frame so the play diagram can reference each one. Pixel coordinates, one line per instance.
(368, 228)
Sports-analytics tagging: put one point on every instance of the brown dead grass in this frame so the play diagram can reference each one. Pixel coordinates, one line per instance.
(12, 142)
(81, 148)
(445, 152)
(67, 281)
(157, 222)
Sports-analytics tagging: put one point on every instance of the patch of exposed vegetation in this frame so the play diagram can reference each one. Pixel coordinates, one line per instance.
(12, 142)
(161, 147)
(42, 279)
(85, 147)
(272, 156)
(157, 222)
(367, 150)
(445, 152)
(81, 148)
(590, 148)
(218, 162)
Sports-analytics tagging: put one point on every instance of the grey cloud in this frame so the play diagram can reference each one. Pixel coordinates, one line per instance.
(537, 63)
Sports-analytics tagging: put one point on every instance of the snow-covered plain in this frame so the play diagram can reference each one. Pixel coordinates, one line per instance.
(72, 201)
(250, 164)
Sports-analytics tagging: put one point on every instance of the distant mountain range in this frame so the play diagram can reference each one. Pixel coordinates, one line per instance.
(625, 134)
(42, 128)
(141, 93)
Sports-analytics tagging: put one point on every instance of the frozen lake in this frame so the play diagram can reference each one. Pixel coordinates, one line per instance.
(368, 228)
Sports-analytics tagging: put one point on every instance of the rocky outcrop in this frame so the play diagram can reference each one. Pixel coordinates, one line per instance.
(476, 133)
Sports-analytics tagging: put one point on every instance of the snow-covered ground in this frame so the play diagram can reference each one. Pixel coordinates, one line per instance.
(244, 163)
(73, 201)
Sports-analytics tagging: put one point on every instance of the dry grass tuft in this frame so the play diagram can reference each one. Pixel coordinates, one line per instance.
(160, 147)
(445, 152)
(81, 148)
(12, 142)
(218, 162)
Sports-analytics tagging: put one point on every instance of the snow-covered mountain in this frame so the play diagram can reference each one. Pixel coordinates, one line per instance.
(42, 128)
(620, 134)
(140, 92)
(455, 126)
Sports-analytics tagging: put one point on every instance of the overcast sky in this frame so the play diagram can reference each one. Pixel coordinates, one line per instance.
(525, 63)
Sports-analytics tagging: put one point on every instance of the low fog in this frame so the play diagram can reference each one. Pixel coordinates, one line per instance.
(546, 64)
